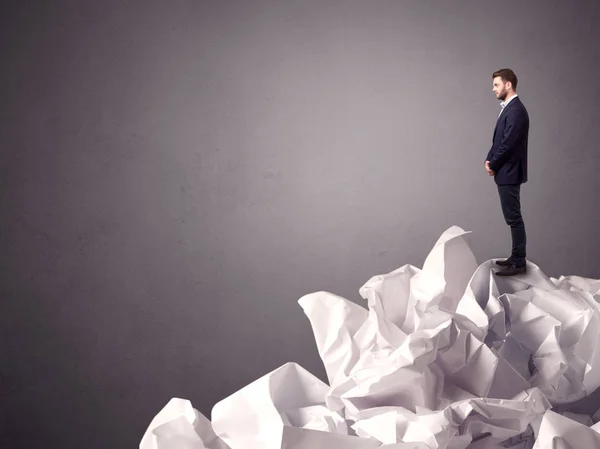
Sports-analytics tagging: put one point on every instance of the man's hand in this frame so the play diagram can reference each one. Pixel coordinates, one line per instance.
(488, 169)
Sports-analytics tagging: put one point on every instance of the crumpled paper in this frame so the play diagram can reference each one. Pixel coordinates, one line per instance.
(559, 432)
(255, 416)
(449, 356)
(179, 425)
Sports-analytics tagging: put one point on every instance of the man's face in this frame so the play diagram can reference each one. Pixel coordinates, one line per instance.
(500, 88)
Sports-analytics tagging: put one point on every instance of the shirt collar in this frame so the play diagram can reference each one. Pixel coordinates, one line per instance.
(503, 104)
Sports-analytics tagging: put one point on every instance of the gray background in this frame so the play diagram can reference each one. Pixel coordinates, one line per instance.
(174, 175)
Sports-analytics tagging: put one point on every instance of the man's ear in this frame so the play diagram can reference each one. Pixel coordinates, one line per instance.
(508, 85)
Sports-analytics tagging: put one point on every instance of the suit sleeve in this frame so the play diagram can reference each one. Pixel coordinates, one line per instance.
(514, 128)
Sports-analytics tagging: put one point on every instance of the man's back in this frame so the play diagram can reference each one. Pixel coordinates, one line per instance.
(508, 155)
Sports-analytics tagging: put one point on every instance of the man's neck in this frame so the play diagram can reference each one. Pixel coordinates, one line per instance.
(510, 96)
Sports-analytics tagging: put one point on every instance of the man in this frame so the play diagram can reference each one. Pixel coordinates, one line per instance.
(507, 163)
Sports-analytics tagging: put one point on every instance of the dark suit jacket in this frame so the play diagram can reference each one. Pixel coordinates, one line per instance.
(508, 155)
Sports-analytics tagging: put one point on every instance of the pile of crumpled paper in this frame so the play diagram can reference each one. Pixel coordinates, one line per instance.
(444, 357)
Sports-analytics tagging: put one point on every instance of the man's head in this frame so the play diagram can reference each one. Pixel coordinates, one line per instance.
(505, 83)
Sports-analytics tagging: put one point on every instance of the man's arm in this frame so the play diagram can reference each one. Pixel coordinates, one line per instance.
(515, 126)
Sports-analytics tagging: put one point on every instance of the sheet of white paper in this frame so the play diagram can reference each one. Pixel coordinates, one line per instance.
(522, 441)
(586, 420)
(255, 416)
(179, 425)
(449, 356)
(559, 432)
(297, 438)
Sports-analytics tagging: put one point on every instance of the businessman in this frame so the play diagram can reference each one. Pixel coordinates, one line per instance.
(507, 163)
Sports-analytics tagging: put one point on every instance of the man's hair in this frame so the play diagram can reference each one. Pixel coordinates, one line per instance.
(507, 75)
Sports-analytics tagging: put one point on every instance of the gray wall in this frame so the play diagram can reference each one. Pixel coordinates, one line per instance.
(175, 175)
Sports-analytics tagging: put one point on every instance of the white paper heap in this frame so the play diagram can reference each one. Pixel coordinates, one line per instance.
(449, 356)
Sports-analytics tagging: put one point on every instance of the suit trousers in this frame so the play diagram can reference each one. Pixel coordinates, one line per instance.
(510, 200)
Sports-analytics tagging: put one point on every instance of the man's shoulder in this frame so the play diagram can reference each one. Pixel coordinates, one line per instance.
(519, 104)
(518, 108)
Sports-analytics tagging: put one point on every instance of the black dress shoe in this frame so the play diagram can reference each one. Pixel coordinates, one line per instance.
(504, 263)
(512, 270)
